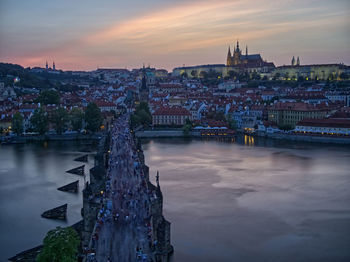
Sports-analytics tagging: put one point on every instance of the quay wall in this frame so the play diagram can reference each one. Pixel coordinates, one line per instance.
(159, 133)
(52, 137)
(317, 139)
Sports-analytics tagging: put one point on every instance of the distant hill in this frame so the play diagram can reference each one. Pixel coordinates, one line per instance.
(33, 80)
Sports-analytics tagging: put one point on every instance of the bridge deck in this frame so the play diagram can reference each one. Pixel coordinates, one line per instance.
(123, 231)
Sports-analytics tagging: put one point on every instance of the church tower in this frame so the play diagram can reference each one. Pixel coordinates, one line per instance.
(144, 91)
(298, 61)
(237, 55)
(293, 61)
(53, 66)
(229, 57)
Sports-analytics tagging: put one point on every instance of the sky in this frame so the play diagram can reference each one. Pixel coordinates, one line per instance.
(90, 34)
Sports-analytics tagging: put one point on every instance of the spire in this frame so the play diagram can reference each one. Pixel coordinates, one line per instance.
(53, 66)
(298, 61)
(293, 61)
(229, 52)
(246, 50)
(157, 178)
(237, 46)
(47, 65)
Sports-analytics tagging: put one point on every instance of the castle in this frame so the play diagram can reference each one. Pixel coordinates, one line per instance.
(237, 59)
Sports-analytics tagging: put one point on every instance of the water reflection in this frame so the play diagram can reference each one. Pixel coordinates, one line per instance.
(254, 199)
(29, 177)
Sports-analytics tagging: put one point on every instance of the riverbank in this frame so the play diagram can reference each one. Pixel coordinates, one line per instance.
(159, 133)
(280, 136)
(306, 138)
(51, 137)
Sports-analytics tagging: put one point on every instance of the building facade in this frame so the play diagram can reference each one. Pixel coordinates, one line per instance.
(170, 116)
(288, 114)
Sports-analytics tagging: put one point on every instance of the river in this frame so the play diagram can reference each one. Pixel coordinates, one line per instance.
(29, 177)
(249, 200)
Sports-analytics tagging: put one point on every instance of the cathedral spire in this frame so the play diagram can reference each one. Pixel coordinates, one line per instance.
(246, 50)
(298, 61)
(229, 52)
(293, 61)
(47, 65)
(237, 46)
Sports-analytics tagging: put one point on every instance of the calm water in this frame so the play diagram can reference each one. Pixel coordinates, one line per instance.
(244, 201)
(29, 177)
(249, 201)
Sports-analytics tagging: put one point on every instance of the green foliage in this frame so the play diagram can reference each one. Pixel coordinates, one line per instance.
(184, 75)
(203, 74)
(255, 76)
(76, 117)
(232, 124)
(60, 118)
(285, 127)
(93, 117)
(145, 118)
(344, 76)
(141, 116)
(134, 120)
(186, 129)
(17, 123)
(39, 121)
(60, 245)
(218, 116)
(49, 97)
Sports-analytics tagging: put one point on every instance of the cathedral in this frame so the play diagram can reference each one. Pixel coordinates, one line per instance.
(237, 59)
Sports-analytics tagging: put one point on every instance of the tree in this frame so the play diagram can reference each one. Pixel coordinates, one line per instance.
(142, 116)
(255, 76)
(143, 106)
(93, 117)
(344, 76)
(193, 73)
(145, 118)
(76, 118)
(134, 120)
(17, 123)
(232, 124)
(184, 75)
(60, 245)
(39, 121)
(60, 119)
(301, 79)
(203, 74)
(186, 129)
(49, 97)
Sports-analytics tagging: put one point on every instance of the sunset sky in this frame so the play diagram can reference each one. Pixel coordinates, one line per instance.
(86, 34)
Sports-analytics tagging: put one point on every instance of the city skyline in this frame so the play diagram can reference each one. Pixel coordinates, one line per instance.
(168, 34)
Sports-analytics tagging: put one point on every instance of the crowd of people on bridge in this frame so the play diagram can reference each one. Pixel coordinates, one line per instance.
(126, 202)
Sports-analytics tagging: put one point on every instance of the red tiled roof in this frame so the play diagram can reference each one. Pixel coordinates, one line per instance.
(328, 122)
(172, 111)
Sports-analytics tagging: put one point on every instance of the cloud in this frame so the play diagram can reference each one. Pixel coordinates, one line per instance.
(167, 33)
